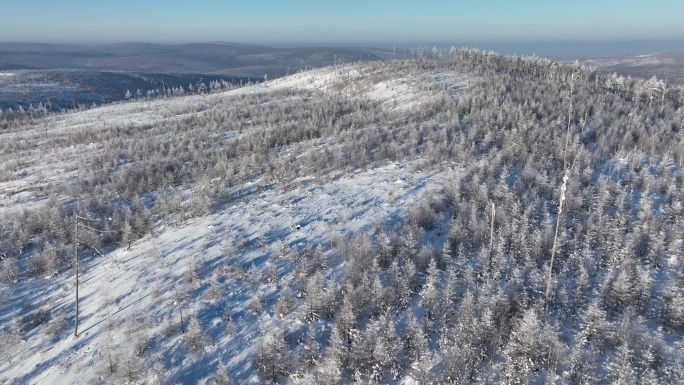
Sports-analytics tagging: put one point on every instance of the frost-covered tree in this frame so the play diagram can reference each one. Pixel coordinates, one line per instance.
(334, 359)
(416, 342)
(430, 295)
(10, 341)
(314, 293)
(194, 337)
(9, 272)
(271, 356)
(221, 377)
(401, 282)
(532, 347)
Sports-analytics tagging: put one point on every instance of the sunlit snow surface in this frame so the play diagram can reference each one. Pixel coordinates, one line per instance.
(140, 285)
(133, 283)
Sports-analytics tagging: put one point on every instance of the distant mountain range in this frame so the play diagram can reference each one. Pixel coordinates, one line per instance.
(66, 76)
(216, 58)
(668, 66)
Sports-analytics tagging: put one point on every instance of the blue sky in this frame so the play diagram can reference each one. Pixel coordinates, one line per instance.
(305, 21)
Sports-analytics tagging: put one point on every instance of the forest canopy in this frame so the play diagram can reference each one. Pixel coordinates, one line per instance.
(537, 162)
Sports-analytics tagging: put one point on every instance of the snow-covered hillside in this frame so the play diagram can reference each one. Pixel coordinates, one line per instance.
(141, 286)
(469, 219)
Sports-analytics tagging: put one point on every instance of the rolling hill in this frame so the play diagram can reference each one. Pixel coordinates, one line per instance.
(467, 218)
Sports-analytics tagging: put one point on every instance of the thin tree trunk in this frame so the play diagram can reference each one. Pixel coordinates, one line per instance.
(491, 238)
(76, 267)
(180, 311)
(561, 199)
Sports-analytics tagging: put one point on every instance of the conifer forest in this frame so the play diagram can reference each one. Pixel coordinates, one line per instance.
(448, 217)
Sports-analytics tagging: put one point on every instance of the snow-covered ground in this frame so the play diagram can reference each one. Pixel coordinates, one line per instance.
(137, 294)
(357, 221)
(402, 92)
(136, 283)
(394, 92)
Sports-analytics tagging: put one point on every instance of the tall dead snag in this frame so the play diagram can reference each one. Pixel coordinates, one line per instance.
(562, 196)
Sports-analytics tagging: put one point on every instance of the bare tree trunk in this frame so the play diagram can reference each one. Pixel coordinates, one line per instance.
(76, 267)
(561, 198)
(180, 311)
(491, 238)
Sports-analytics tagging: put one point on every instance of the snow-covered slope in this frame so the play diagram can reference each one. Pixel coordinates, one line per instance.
(405, 92)
(474, 218)
(142, 282)
(132, 300)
